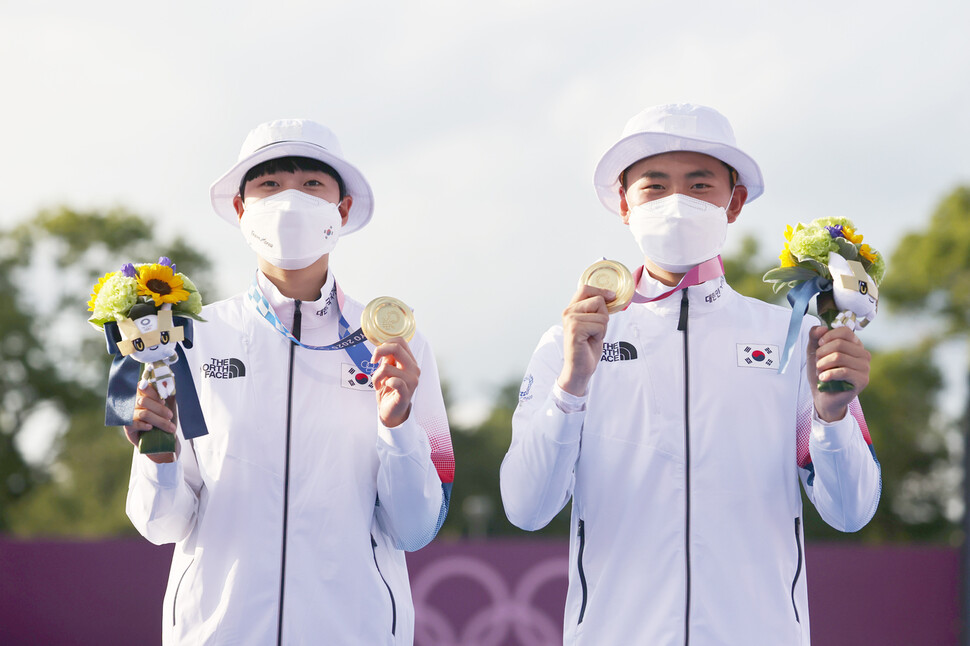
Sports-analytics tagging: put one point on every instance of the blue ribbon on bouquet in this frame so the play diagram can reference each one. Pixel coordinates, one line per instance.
(799, 297)
(125, 373)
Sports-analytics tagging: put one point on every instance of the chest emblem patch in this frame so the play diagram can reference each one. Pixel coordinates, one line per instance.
(618, 351)
(355, 379)
(230, 368)
(756, 355)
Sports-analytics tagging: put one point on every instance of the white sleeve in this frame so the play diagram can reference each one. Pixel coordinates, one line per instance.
(416, 464)
(847, 479)
(837, 463)
(163, 499)
(538, 473)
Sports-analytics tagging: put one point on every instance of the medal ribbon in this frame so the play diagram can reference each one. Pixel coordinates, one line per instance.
(349, 341)
(698, 274)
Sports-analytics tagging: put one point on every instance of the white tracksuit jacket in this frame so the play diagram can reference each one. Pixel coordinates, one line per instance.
(344, 579)
(683, 470)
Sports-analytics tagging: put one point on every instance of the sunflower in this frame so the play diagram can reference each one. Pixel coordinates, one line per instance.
(97, 288)
(786, 257)
(161, 284)
(851, 235)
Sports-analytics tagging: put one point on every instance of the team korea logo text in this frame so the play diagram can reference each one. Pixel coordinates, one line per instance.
(224, 369)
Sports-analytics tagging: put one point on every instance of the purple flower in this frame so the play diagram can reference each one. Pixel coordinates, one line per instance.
(836, 231)
(165, 260)
(128, 270)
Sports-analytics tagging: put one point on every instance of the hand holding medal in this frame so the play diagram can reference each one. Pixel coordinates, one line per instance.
(389, 324)
(613, 276)
(385, 318)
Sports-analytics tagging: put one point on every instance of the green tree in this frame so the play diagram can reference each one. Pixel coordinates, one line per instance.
(929, 272)
(744, 269)
(476, 504)
(54, 366)
(929, 276)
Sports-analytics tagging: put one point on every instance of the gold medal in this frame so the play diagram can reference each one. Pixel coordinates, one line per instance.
(386, 318)
(614, 276)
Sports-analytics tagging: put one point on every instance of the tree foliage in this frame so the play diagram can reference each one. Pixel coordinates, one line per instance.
(53, 366)
(744, 269)
(929, 271)
(476, 505)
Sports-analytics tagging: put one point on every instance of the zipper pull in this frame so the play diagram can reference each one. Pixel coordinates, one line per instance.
(682, 323)
(297, 319)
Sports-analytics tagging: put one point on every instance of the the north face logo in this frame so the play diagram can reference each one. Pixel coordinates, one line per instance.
(619, 351)
(224, 369)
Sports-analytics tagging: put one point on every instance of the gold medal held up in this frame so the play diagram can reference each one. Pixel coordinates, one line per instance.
(614, 276)
(385, 318)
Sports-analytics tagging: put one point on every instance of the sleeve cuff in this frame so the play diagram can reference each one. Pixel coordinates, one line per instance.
(406, 438)
(832, 436)
(567, 402)
(166, 475)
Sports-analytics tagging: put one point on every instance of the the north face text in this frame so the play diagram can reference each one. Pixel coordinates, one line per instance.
(224, 369)
(619, 351)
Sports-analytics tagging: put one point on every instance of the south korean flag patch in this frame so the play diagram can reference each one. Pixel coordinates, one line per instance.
(756, 355)
(354, 378)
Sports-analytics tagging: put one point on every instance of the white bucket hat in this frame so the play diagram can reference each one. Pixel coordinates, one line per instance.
(670, 128)
(294, 138)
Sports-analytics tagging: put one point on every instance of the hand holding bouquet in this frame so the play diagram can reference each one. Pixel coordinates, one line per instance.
(827, 257)
(144, 311)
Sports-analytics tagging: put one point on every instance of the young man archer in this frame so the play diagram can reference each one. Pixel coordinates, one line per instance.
(681, 458)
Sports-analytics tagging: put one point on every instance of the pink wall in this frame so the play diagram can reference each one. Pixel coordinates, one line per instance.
(500, 592)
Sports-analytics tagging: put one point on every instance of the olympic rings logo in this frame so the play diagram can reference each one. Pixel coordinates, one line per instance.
(509, 609)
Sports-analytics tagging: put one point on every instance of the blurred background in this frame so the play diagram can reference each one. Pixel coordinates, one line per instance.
(478, 126)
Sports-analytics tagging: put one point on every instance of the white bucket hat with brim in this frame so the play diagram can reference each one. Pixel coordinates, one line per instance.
(671, 128)
(294, 138)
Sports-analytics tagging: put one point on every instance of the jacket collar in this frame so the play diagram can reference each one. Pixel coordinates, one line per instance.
(709, 295)
(322, 312)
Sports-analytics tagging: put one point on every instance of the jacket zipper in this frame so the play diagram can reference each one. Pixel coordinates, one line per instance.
(390, 593)
(297, 324)
(798, 569)
(179, 587)
(582, 573)
(682, 327)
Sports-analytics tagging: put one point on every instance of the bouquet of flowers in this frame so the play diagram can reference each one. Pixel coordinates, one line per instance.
(144, 311)
(827, 257)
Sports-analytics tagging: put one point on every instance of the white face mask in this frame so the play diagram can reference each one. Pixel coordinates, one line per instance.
(291, 230)
(678, 232)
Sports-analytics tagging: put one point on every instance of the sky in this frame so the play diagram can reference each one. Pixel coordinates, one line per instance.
(478, 127)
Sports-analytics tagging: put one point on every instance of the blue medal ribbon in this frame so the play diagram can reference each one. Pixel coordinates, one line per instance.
(799, 297)
(125, 373)
(351, 342)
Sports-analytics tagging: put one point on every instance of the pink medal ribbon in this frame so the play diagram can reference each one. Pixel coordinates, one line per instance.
(698, 274)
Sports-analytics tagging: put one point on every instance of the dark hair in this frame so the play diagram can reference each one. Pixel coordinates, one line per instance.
(290, 165)
(732, 174)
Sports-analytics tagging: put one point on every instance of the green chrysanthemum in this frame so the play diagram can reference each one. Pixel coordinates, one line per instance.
(193, 305)
(812, 243)
(115, 298)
